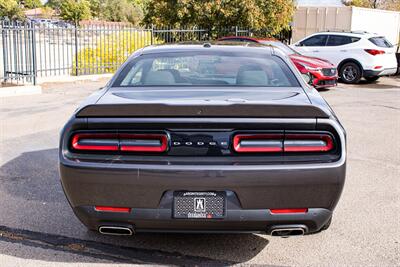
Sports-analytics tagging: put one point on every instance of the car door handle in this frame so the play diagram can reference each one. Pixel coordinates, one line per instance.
(343, 50)
(315, 50)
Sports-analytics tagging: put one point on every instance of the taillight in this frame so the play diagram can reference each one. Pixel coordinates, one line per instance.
(261, 143)
(258, 143)
(307, 143)
(102, 142)
(120, 142)
(374, 52)
(143, 142)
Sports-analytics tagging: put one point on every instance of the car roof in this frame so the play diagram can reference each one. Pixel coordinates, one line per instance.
(348, 33)
(249, 38)
(210, 46)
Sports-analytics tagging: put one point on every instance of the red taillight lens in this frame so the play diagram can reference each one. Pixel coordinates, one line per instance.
(283, 211)
(374, 52)
(102, 142)
(258, 143)
(112, 209)
(144, 142)
(120, 142)
(307, 143)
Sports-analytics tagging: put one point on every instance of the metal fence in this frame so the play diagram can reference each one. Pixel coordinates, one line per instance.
(32, 51)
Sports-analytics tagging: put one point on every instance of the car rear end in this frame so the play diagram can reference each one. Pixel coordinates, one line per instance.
(204, 158)
(380, 57)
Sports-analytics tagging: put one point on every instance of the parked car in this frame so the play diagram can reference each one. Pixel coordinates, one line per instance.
(204, 138)
(322, 73)
(355, 54)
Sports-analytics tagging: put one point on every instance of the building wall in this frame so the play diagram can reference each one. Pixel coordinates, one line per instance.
(308, 20)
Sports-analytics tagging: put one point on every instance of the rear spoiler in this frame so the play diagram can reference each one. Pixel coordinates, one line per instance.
(228, 111)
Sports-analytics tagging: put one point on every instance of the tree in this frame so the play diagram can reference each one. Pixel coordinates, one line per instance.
(30, 4)
(121, 10)
(55, 4)
(382, 4)
(271, 15)
(75, 10)
(11, 10)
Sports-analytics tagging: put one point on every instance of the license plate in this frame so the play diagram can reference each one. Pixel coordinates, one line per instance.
(199, 205)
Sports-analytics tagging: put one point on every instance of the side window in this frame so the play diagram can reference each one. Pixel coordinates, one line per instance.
(316, 40)
(336, 40)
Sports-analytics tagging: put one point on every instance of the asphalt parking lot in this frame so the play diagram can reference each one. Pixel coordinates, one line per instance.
(37, 226)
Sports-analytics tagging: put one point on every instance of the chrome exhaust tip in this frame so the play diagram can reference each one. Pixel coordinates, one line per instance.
(115, 230)
(287, 230)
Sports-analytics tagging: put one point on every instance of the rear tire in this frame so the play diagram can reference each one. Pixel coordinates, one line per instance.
(372, 79)
(350, 73)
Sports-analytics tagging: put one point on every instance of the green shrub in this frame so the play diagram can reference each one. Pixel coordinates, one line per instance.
(110, 52)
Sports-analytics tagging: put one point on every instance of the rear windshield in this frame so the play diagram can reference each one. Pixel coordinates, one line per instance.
(212, 69)
(380, 41)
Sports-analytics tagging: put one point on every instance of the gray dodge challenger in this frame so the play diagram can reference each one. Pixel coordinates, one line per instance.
(204, 138)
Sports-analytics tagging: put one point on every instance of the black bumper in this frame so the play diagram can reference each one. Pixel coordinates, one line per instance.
(252, 192)
(235, 221)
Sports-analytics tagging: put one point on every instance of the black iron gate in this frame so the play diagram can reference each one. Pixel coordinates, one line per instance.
(53, 49)
(19, 57)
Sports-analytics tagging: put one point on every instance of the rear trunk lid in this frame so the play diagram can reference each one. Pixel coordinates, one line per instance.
(204, 102)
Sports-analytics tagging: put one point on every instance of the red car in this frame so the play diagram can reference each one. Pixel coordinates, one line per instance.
(322, 73)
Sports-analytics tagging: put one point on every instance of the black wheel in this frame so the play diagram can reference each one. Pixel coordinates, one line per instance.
(372, 79)
(350, 72)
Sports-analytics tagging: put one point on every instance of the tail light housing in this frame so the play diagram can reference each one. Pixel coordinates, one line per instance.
(307, 143)
(120, 142)
(258, 143)
(374, 52)
(292, 142)
(143, 142)
(97, 142)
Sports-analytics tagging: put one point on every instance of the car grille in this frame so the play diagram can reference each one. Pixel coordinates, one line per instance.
(329, 71)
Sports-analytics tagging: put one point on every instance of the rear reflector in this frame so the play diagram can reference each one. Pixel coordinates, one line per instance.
(112, 209)
(258, 143)
(120, 142)
(374, 52)
(282, 211)
(307, 143)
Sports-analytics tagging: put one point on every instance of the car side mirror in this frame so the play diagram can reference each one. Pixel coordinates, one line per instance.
(298, 44)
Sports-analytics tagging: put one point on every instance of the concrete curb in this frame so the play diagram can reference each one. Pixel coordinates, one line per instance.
(67, 78)
(20, 90)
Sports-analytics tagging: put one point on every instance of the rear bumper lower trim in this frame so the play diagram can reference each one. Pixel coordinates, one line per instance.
(160, 220)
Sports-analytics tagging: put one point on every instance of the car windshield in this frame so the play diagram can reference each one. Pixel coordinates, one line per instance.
(285, 48)
(206, 69)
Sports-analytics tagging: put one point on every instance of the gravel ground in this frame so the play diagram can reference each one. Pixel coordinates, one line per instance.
(38, 228)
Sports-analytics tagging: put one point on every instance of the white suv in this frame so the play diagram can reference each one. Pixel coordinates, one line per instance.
(355, 54)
